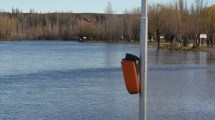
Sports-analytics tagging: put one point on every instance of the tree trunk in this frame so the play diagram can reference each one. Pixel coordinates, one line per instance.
(158, 37)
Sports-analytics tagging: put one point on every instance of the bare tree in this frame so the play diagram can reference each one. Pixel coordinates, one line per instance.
(155, 20)
(196, 12)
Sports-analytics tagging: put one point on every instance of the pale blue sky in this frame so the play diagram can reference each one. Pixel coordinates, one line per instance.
(78, 6)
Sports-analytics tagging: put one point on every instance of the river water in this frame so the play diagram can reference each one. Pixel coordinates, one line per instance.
(52, 80)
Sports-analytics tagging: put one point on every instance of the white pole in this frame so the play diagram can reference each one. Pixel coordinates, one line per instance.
(143, 55)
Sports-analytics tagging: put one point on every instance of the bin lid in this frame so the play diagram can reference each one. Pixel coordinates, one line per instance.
(131, 57)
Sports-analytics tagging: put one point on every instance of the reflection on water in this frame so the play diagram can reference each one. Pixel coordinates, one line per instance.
(181, 86)
(83, 81)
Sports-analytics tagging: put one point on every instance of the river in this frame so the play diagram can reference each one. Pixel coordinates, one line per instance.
(64, 80)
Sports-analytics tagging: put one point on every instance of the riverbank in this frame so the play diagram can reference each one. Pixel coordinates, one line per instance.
(182, 48)
(206, 49)
(112, 42)
(163, 46)
(199, 49)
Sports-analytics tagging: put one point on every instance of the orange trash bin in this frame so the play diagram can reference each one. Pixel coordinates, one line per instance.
(129, 68)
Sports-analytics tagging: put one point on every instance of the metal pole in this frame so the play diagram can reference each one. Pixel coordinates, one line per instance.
(143, 55)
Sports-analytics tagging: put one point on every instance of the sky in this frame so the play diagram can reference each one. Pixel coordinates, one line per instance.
(78, 6)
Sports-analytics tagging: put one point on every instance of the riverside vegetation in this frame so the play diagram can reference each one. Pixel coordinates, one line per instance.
(175, 21)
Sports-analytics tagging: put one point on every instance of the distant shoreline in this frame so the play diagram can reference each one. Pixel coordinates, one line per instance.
(187, 48)
(200, 49)
(204, 49)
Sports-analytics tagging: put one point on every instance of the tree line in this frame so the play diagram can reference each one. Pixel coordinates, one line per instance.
(108, 27)
(180, 24)
(177, 22)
